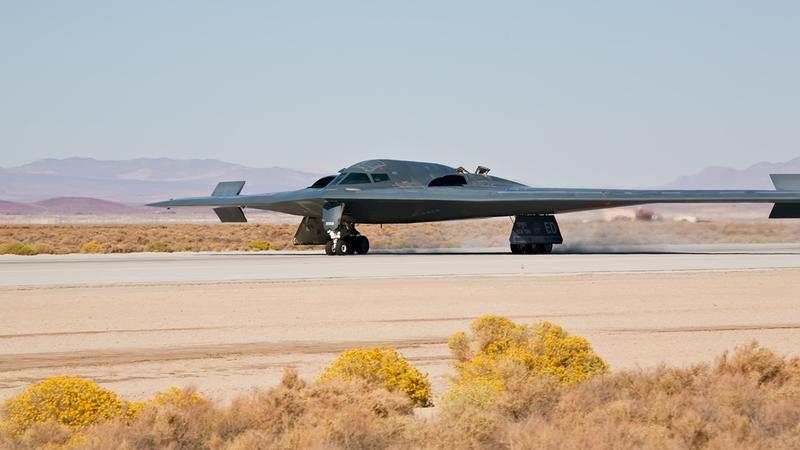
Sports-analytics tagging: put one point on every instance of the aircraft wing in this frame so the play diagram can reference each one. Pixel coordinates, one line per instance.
(381, 205)
(228, 204)
(419, 204)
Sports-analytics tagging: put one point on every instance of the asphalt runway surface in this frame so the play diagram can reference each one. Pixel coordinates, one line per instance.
(227, 322)
(147, 268)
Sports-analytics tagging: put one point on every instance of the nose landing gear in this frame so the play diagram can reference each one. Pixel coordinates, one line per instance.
(347, 245)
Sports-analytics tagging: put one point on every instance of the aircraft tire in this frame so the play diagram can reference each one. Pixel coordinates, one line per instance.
(329, 250)
(529, 249)
(546, 249)
(517, 249)
(343, 247)
(361, 245)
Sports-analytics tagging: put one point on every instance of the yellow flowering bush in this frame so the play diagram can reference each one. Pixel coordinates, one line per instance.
(499, 350)
(71, 401)
(383, 366)
(174, 396)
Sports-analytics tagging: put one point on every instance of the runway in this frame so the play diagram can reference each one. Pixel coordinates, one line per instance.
(148, 268)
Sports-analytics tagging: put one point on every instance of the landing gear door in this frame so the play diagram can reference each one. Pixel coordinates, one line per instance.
(535, 230)
(311, 232)
(332, 215)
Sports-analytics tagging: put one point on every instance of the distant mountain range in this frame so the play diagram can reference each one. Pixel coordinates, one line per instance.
(753, 177)
(71, 206)
(138, 181)
(76, 185)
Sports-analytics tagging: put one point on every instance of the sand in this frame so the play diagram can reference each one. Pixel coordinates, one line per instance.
(225, 338)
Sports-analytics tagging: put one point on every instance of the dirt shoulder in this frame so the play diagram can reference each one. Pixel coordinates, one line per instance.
(226, 338)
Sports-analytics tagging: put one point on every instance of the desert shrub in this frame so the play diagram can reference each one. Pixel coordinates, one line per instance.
(17, 248)
(161, 247)
(259, 245)
(180, 397)
(749, 398)
(728, 405)
(498, 351)
(327, 414)
(92, 247)
(385, 367)
(294, 414)
(70, 401)
(42, 248)
(174, 396)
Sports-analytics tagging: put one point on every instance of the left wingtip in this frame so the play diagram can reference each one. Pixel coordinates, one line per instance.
(162, 204)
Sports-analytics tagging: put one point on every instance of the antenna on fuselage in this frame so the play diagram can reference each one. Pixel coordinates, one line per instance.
(482, 171)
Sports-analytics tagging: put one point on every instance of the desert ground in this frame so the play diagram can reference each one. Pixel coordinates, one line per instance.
(661, 302)
(227, 337)
(182, 237)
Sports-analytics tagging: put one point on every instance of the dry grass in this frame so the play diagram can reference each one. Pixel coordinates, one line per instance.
(492, 233)
(747, 399)
(750, 399)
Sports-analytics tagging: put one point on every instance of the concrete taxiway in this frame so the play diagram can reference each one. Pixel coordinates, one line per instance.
(147, 268)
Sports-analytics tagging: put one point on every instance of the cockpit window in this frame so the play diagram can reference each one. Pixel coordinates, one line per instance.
(337, 180)
(380, 177)
(356, 178)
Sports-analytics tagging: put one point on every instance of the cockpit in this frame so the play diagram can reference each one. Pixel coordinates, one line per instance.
(359, 178)
(409, 174)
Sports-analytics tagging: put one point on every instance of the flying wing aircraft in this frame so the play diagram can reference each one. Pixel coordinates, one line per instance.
(391, 191)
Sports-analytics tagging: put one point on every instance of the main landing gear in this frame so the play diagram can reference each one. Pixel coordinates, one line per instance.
(534, 234)
(531, 249)
(347, 245)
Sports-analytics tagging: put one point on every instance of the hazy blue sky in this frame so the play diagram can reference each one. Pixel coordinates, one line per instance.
(556, 93)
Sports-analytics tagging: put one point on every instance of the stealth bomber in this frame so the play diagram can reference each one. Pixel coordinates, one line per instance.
(385, 191)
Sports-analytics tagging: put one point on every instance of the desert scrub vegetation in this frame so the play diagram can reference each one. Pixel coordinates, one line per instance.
(487, 233)
(70, 401)
(294, 414)
(748, 398)
(259, 245)
(498, 350)
(19, 248)
(160, 247)
(92, 247)
(383, 366)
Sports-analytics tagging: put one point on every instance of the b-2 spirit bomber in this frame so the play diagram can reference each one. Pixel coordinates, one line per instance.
(384, 191)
